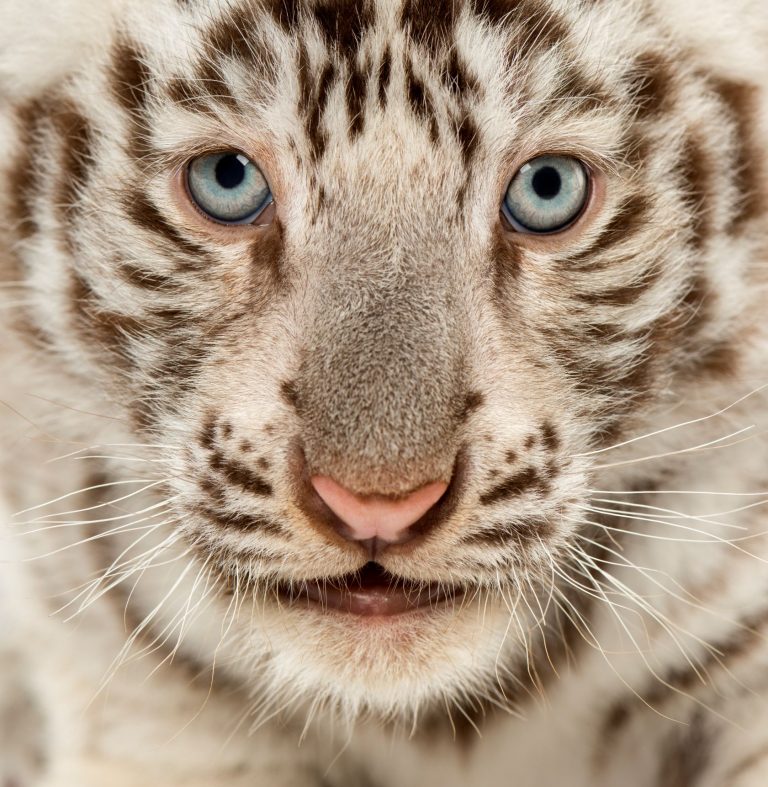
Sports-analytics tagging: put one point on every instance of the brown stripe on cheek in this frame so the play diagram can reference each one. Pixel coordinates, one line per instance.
(622, 296)
(106, 330)
(695, 172)
(25, 180)
(77, 157)
(267, 254)
(143, 213)
(147, 280)
(741, 102)
(506, 258)
(629, 219)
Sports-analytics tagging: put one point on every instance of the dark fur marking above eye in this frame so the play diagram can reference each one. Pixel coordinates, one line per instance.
(385, 73)
(511, 457)
(458, 78)
(343, 24)
(263, 463)
(493, 11)
(304, 74)
(540, 26)
(314, 112)
(420, 102)
(429, 23)
(513, 486)
(355, 93)
(468, 137)
(740, 100)
(209, 75)
(130, 77)
(287, 13)
(577, 87)
(190, 95)
(233, 36)
(530, 442)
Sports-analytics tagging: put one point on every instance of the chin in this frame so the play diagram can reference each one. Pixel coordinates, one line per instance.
(361, 653)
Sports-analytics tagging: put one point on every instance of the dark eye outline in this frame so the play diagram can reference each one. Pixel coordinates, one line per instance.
(514, 225)
(250, 219)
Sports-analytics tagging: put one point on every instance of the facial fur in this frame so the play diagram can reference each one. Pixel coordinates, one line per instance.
(386, 329)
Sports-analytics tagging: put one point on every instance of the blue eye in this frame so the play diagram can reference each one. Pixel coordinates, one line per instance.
(228, 187)
(546, 195)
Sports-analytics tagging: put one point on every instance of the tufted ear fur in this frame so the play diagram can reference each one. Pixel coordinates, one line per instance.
(61, 29)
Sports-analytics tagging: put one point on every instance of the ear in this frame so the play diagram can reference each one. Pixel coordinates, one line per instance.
(41, 43)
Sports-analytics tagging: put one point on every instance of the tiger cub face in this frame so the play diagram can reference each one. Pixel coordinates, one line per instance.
(383, 276)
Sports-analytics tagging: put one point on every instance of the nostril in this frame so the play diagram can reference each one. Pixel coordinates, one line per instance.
(377, 516)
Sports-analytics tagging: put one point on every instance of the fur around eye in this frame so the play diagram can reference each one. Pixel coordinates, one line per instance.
(228, 187)
(546, 195)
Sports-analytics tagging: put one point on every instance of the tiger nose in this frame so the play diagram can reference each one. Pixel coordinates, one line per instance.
(377, 516)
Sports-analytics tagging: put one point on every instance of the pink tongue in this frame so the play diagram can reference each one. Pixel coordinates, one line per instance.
(376, 516)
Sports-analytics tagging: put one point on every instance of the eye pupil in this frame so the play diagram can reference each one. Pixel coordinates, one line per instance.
(230, 172)
(547, 183)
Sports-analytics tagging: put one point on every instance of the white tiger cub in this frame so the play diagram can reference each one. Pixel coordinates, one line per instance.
(382, 393)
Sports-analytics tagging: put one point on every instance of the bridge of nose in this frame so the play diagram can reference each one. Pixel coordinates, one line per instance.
(377, 516)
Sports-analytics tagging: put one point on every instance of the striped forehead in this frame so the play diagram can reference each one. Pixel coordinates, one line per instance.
(329, 72)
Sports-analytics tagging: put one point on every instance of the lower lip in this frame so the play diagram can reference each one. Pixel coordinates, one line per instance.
(371, 599)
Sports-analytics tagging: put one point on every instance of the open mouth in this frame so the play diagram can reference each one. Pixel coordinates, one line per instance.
(371, 591)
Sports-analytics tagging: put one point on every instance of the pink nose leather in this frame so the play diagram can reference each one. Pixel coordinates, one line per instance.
(376, 516)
